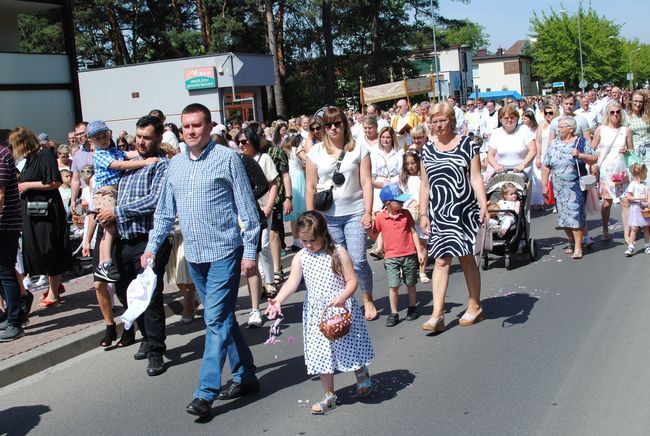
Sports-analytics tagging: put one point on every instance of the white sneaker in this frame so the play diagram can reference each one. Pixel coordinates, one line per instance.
(255, 318)
(630, 250)
(647, 249)
(27, 282)
(42, 281)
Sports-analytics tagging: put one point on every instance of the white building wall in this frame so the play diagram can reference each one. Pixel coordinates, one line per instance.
(492, 78)
(107, 94)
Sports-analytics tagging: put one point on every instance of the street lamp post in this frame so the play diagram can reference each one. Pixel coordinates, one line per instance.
(435, 53)
(630, 74)
(582, 71)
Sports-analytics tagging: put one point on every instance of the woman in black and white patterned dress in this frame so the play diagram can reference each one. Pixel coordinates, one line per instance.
(451, 192)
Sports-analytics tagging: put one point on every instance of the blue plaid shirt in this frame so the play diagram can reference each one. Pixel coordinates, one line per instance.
(104, 176)
(137, 197)
(209, 194)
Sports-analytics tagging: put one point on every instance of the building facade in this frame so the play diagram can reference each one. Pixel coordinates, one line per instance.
(505, 70)
(122, 94)
(38, 91)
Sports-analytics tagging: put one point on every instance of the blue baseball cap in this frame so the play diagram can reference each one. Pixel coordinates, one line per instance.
(95, 127)
(393, 193)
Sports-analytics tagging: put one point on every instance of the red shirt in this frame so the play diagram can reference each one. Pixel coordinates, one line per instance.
(396, 232)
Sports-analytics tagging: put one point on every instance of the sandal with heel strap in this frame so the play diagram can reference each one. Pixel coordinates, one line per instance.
(326, 404)
(364, 387)
(468, 320)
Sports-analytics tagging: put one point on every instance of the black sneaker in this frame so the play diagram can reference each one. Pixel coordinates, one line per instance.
(4, 324)
(199, 407)
(107, 271)
(156, 365)
(392, 320)
(412, 314)
(141, 354)
(11, 333)
(236, 390)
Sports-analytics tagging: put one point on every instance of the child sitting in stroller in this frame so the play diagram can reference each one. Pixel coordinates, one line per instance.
(503, 221)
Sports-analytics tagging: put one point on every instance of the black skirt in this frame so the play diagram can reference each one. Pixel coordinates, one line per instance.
(45, 239)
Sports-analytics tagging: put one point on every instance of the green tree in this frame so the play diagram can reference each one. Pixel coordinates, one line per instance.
(41, 32)
(463, 32)
(556, 53)
(637, 61)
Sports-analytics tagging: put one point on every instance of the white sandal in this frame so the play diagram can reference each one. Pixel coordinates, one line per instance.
(326, 404)
(467, 320)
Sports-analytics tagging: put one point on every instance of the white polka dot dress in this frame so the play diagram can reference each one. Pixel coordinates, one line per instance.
(323, 356)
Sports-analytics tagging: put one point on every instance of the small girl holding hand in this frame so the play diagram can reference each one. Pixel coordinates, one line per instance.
(638, 195)
(410, 183)
(330, 279)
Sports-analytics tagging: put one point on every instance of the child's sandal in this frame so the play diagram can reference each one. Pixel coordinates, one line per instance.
(326, 404)
(364, 387)
(278, 279)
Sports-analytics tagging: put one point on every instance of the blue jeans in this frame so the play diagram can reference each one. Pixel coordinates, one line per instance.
(347, 231)
(217, 283)
(8, 281)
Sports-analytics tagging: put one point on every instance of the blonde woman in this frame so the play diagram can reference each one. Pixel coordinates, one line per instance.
(351, 209)
(611, 140)
(45, 230)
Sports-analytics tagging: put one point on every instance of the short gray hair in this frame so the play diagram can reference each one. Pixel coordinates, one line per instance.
(569, 121)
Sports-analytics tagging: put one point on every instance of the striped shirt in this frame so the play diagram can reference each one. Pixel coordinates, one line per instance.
(137, 197)
(209, 194)
(10, 219)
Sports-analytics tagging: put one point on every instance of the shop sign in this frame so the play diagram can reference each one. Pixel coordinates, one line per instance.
(200, 78)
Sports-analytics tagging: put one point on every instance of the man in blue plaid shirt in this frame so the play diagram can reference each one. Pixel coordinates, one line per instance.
(208, 188)
(138, 194)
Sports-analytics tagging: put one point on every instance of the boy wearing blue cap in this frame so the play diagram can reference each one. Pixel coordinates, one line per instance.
(402, 251)
(109, 162)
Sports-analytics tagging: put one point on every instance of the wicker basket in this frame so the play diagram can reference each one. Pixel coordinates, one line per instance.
(336, 326)
(645, 212)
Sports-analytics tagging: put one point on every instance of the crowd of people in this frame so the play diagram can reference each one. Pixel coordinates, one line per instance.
(205, 203)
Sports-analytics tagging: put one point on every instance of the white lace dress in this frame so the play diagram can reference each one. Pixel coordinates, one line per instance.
(323, 356)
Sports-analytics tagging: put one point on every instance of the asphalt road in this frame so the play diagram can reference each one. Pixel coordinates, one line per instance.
(564, 350)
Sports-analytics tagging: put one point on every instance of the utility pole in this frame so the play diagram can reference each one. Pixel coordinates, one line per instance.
(435, 53)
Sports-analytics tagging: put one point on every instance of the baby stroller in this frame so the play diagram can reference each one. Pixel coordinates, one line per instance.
(80, 264)
(511, 241)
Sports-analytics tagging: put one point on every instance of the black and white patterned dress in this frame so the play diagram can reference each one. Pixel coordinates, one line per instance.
(323, 356)
(453, 209)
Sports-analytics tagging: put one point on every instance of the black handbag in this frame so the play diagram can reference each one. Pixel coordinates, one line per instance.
(37, 208)
(323, 200)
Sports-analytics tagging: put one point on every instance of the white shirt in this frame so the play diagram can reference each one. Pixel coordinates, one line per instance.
(348, 198)
(170, 139)
(460, 119)
(511, 148)
(589, 115)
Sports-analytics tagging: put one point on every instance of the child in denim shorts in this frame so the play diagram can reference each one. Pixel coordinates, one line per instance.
(402, 251)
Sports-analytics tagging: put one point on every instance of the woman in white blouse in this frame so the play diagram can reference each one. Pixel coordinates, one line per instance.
(386, 162)
(511, 145)
(351, 208)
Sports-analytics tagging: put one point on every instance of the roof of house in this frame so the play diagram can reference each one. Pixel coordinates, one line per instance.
(517, 47)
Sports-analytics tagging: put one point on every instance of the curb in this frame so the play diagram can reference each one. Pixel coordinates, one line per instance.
(45, 356)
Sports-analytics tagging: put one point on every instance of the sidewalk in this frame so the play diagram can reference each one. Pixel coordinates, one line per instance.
(72, 328)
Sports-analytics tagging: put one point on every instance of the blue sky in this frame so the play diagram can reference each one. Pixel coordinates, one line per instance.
(506, 28)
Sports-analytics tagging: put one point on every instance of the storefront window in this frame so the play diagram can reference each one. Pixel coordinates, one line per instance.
(241, 109)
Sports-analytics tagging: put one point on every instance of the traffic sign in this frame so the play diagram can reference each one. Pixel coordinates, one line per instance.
(596, 85)
(630, 76)
(583, 83)
(558, 84)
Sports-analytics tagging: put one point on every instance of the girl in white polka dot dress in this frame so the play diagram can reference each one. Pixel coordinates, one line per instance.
(329, 277)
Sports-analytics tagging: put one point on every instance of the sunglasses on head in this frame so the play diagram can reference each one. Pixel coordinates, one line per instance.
(336, 124)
